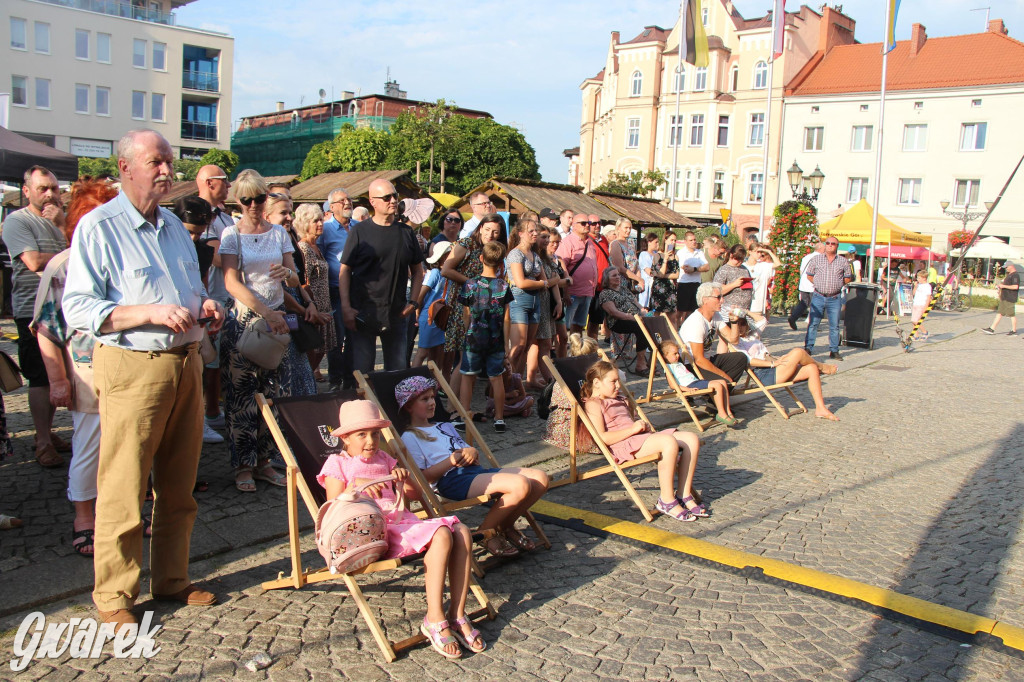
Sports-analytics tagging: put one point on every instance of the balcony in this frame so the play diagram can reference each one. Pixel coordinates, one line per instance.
(116, 8)
(198, 130)
(200, 80)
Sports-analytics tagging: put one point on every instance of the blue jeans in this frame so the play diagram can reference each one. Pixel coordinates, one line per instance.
(393, 347)
(579, 308)
(821, 306)
(339, 361)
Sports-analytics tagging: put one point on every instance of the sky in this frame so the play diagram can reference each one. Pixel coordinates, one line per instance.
(522, 62)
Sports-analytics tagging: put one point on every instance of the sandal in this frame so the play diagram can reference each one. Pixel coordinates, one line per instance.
(697, 510)
(432, 631)
(10, 522)
(270, 475)
(498, 546)
(85, 546)
(666, 508)
(59, 444)
(473, 637)
(244, 481)
(48, 458)
(728, 421)
(201, 487)
(516, 537)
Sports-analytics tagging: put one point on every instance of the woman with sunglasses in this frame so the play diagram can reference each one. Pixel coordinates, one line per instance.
(258, 264)
(451, 224)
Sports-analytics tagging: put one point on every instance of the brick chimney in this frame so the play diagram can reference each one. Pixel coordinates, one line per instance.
(996, 26)
(917, 39)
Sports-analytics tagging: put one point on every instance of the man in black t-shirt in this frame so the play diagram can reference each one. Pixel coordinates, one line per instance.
(1008, 292)
(381, 255)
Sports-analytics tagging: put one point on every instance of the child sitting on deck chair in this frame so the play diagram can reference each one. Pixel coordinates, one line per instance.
(686, 379)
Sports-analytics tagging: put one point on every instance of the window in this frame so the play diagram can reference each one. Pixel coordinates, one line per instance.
(103, 47)
(81, 98)
(856, 189)
(160, 56)
(756, 137)
(734, 80)
(697, 192)
(138, 104)
(723, 131)
(81, 44)
(910, 191)
(704, 16)
(632, 133)
(862, 138)
(43, 93)
(697, 130)
(972, 137)
(755, 185)
(815, 109)
(678, 80)
(915, 137)
(139, 53)
(675, 130)
(918, 106)
(638, 84)
(718, 189)
(975, 102)
(967, 192)
(156, 107)
(679, 174)
(863, 107)
(688, 185)
(700, 79)
(42, 37)
(760, 76)
(102, 101)
(19, 91)
(814, 139)
(19, 34)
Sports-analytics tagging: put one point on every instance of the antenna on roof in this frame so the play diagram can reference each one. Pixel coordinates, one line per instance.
(986, 10)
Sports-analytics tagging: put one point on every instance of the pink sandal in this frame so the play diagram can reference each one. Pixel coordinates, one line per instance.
(474, 636)
(432, 631)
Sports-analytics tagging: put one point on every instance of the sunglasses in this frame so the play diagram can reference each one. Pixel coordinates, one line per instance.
(217, 177)
(387, 198)
(249, 201)
(452, 219)
(831, 243)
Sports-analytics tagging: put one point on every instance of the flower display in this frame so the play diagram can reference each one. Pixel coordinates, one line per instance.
(793, 235)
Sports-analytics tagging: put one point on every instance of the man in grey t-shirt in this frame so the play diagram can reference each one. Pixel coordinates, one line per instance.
(33, 236)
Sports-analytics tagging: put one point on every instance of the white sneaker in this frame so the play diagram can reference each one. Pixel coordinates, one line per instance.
(215, 422)
(211, 436)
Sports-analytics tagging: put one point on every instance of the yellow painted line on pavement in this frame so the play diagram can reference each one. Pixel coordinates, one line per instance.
(920, 609)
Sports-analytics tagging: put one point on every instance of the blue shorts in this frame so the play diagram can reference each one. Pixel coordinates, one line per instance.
(524, 308)
(579, 307)
(699, 385)
(490, 364)
(456, 482)
(765, 374)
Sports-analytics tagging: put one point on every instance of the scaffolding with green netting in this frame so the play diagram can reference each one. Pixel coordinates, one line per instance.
(282, 149)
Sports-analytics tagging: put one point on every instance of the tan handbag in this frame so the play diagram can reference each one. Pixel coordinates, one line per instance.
(262, 347)
(10, 373)
(207, 351)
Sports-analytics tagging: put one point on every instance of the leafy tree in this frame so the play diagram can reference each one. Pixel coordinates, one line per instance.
(97, 168)
(637, 183)
(188, 168)
(793, 235)
(354, 149)
(226, 159)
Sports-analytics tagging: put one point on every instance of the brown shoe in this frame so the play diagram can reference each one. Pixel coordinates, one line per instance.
(190, 596)
(59, 443)
(119, 617)
(47, 457)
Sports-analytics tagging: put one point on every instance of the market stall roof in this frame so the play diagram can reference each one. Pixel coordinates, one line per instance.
(854, 226)
(646, 212)
(357, 183)
(18, 154)
(516, 196)
(990, 247)
(905, 253)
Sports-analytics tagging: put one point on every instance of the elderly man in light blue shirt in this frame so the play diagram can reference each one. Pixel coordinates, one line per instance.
(337, 223)
(133, 283)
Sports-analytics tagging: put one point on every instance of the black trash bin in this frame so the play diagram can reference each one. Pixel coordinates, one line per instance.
(861, 304)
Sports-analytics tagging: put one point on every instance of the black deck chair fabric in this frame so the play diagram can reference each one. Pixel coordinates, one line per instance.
(574, 371)
(383, 384)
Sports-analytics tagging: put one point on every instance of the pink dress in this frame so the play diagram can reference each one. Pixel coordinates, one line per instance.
(407, 534)
(617, 415)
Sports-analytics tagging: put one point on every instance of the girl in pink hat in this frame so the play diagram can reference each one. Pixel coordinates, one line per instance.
(447, 542)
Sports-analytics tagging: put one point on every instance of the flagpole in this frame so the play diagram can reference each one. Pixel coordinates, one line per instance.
(878, 136)
(672, 184)
(767, 126)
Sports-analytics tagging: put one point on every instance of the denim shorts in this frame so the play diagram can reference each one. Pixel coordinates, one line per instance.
(456, 482)
(489, 364)
(524, 308)
(579, 307)
(765, 374)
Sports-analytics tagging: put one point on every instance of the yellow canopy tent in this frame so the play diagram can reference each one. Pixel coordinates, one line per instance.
(854, 227)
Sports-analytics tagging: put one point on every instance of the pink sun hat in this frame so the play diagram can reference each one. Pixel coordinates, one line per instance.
(359, 415)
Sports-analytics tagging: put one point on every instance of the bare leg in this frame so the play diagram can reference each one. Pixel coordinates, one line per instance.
(689, 448)
(419, 358)
(561, 340)
(514, 490)
(534, 364)
(436, 562)
(995, 322)
(466, 392)
(85, 516)
(721, 398)
(669, 448)
(811, 374)
(42, 413)
(518, 340)
(498, 394)
(458, 571)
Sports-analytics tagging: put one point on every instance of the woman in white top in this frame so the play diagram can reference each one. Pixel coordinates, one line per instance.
(528, 279)
(257, 261)
(763, 272)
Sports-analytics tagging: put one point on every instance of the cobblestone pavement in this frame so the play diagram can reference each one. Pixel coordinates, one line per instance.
(916, 490)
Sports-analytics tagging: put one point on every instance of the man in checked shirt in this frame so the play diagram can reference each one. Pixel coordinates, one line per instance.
(829, 273)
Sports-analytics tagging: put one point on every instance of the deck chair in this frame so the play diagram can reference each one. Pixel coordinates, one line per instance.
(570, 373)
(658, 329)
(380, 388)
(303, 437)
(743, 386)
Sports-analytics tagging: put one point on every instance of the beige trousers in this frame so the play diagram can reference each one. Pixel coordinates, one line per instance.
(150, 420)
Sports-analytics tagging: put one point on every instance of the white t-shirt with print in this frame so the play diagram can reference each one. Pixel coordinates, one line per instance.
(696, 329)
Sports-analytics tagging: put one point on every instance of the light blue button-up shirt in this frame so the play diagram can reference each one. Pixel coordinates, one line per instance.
(331, 244)
(119, 258)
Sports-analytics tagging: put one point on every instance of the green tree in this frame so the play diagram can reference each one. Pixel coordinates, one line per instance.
(188, 168)
(793, 235)
(637, 183)
(226, 159)
(354, 149)
(97, 168)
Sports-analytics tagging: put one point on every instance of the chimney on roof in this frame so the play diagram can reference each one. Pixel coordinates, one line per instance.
(917, 39)
(280, 106)
(615, 37)
(996, 26)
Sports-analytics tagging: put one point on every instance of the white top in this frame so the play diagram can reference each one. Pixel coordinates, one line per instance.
(682, 375)
(469, 227)
(259, 252)
(694, 259)
(753, 347)
(645, 261)
(805, 284)
(426, 453)
(922, 294)
(763, 273)
(696, 329)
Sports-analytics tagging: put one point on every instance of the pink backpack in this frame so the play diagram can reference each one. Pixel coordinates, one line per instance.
(350, 531)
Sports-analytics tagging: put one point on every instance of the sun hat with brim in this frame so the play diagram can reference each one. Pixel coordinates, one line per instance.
(359, 415)
(407, 389)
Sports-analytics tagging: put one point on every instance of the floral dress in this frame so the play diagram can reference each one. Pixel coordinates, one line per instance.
(6, 447)
(623, 345)
(470, 267)
(546, 326)
(316, 277)
(663, 291)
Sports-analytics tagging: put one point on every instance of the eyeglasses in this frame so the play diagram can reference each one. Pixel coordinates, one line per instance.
(453, 219)
(831, 243)
(249, 201)
(217, 177)
(483, 203)
(340, 201)
(716, 297)
(387, 198)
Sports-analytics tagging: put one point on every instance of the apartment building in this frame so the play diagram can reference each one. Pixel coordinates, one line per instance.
(952, 130)
(718, 136)
(80, 73)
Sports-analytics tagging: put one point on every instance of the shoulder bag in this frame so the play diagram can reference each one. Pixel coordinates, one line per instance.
(258, 344)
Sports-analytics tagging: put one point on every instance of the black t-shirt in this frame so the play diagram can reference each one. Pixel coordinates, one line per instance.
(379, 257)
(1010, 295)
(204, 252)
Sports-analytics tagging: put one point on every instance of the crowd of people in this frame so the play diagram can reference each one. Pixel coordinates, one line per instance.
(162, 326)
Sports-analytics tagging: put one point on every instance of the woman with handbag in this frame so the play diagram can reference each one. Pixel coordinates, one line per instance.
(257, 261)
(537, 375)
(561, 338)
(309, 225)
(526, 274)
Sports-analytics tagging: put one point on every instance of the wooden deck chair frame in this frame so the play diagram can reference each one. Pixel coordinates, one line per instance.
(675, 389)
(438, 506)
(579, 415)
(297, 487)
(746, 388)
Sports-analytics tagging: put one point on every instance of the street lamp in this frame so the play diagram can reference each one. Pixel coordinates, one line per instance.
(799, 183)
(965, 215)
